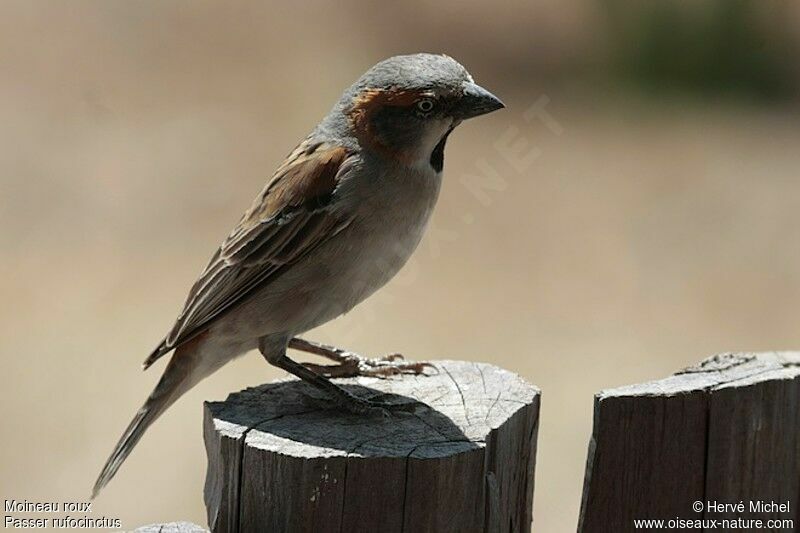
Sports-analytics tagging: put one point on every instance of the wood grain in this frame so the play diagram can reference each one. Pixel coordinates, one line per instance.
(726, 430)
(281, 459)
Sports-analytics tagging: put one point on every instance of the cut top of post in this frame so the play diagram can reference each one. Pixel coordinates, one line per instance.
(459, 457)
(459, 406)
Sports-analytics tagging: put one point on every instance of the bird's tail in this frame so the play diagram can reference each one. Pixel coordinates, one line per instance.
(181, 374)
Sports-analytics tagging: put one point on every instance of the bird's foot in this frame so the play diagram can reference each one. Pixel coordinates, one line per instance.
(351, 364)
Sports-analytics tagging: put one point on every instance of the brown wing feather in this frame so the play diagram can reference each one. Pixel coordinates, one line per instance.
(287, 220)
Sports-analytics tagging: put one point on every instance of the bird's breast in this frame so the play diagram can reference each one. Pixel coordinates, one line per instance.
(388, 213)
(390, 219)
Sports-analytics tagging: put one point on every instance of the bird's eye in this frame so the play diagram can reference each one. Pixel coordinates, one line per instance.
(425, 105)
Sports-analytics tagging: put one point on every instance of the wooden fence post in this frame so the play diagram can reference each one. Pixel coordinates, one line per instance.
(725, 431)
(172, 527)
(461, 461)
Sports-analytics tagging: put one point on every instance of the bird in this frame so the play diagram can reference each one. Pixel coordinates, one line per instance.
(337, 220)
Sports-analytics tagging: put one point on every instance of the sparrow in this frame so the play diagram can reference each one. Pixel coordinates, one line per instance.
(338, 220)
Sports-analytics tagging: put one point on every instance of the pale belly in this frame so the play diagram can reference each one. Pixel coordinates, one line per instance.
(342, 272)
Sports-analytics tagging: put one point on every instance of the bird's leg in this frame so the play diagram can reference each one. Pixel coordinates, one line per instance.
(351, 364)
(351, 402)
(348, 401)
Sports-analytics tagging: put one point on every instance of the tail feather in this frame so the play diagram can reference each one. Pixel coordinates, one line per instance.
(181, 374)
(156, 354)
(144, 417)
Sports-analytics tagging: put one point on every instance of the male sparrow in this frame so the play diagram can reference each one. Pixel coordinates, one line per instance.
(337, 221)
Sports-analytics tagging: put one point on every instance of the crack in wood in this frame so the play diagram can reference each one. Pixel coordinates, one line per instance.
(241, 448)
(727, 429)
(395, 473)
(405, 489)
(460, 393)
(483, 378)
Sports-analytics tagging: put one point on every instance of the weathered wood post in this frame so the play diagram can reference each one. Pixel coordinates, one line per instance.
(725, 431)
(172, 527)
(462, 460)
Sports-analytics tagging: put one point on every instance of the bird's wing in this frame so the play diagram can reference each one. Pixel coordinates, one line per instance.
(288, 219)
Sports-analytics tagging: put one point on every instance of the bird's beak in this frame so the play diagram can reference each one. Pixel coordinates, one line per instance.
(476, 101)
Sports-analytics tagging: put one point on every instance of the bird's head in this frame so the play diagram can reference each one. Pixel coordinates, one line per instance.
(405, 106)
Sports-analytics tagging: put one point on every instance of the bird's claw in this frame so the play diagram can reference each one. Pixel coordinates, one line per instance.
(354, 365)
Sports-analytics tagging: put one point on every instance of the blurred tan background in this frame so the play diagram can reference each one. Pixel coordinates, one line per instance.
(654, 220)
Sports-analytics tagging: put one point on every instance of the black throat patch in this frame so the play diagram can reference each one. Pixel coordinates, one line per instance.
(437, 156)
